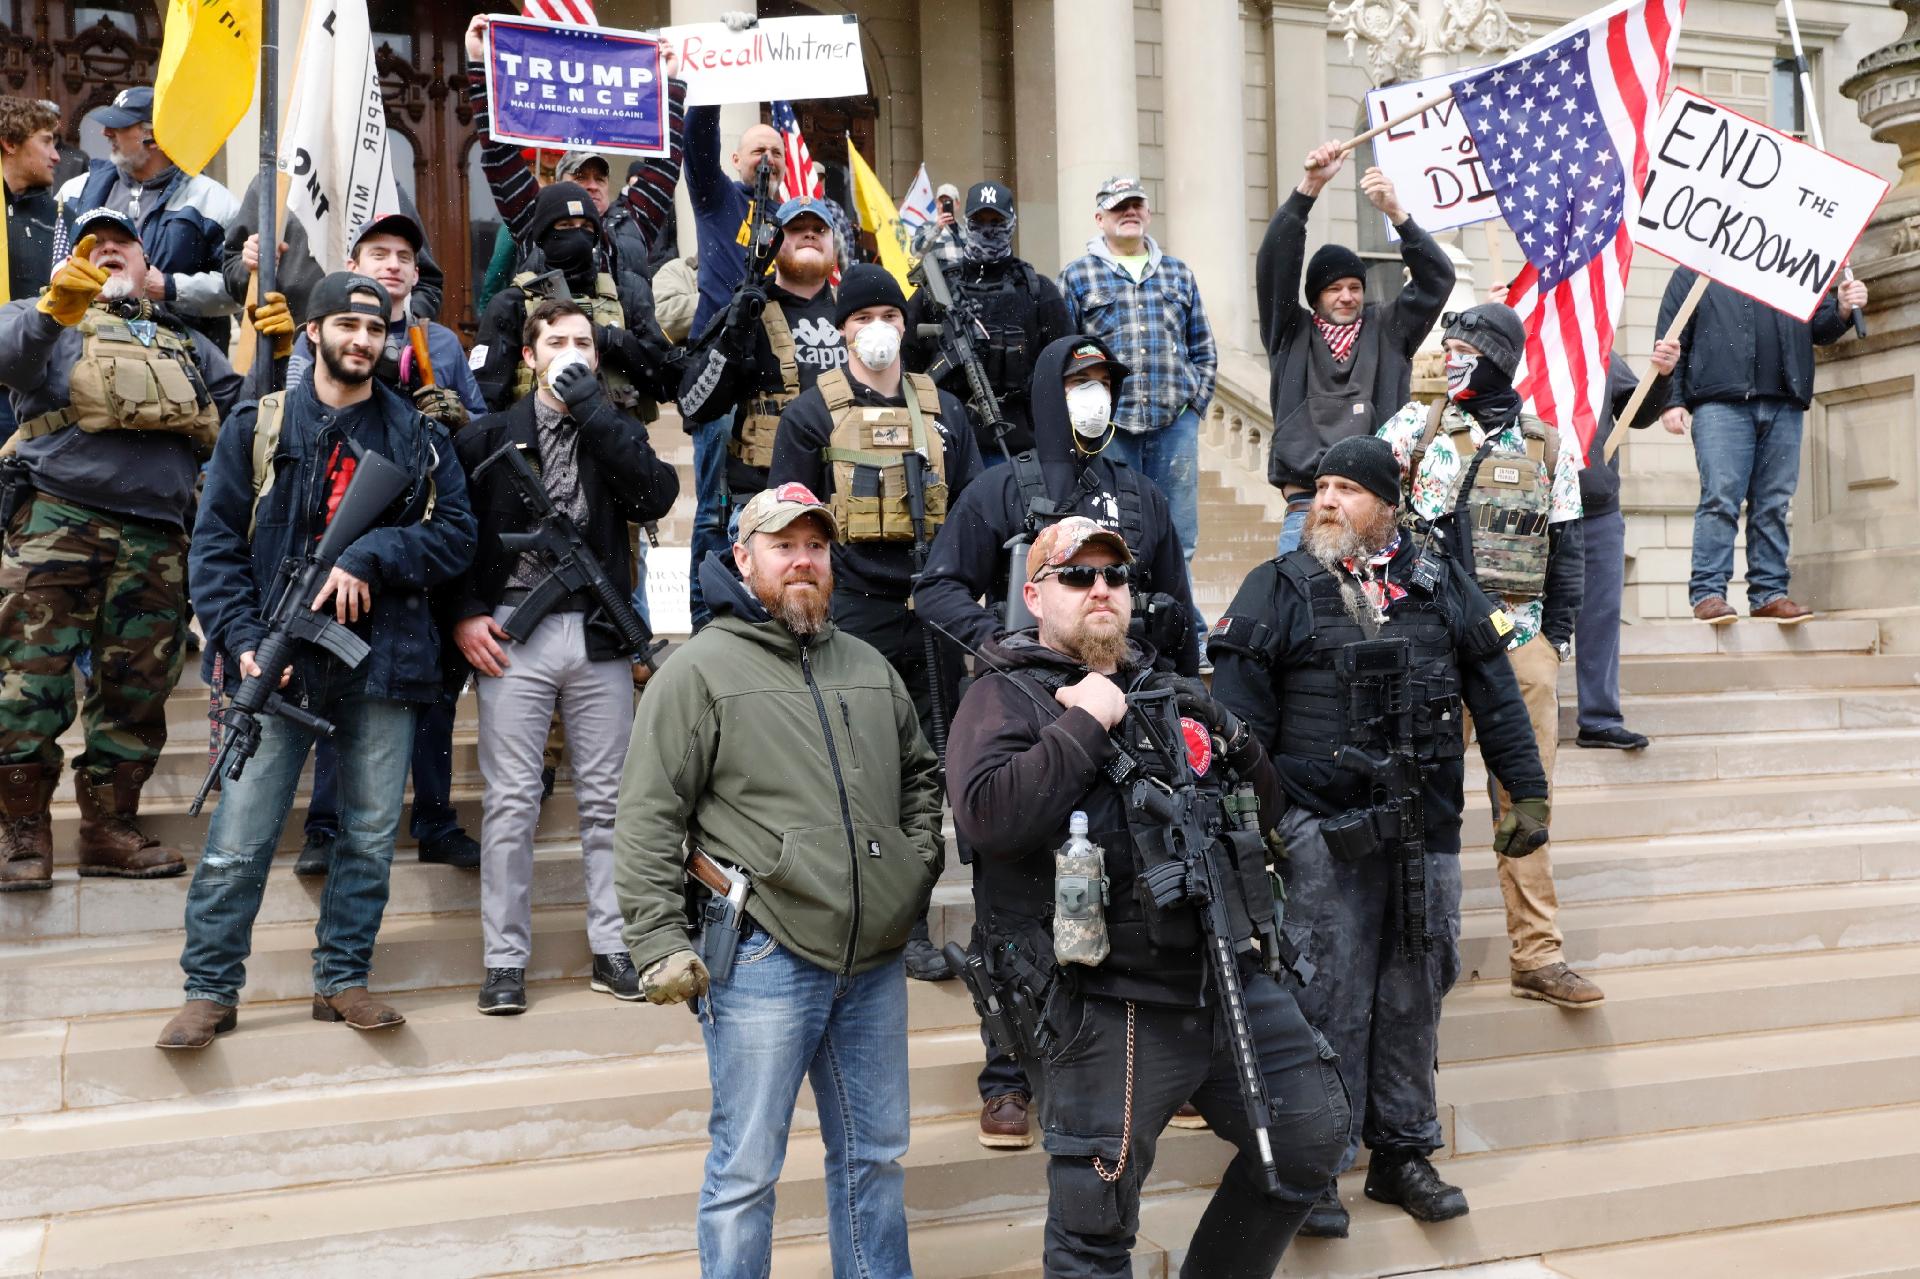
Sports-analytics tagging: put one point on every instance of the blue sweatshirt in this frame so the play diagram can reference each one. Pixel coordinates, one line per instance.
(720, 203)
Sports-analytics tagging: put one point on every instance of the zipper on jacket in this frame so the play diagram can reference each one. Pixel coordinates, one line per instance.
(846, 807)
(846, 718)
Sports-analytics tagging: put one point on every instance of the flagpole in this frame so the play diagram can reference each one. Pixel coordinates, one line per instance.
(1618, 435)
(1428, 105)
(1813, 126)
(268, 219)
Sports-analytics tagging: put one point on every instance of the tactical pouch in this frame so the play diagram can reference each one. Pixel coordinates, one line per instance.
(1080, 894)
(752, 443)
(1353, 835)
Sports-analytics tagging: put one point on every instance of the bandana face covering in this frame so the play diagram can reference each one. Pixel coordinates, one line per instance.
(989, 241)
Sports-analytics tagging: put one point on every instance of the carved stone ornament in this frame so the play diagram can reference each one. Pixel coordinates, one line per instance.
(1396, 38)
(1479, 27)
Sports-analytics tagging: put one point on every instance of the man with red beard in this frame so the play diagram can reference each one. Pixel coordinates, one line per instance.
(1295, 657)
(758, 365)
(788, 751)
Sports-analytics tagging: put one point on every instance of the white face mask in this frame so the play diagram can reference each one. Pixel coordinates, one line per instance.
(561, 361)
(1089, 408)
(1459, 372)
(878, 345)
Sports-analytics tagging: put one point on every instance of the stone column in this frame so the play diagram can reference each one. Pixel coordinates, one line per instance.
(1096, 119)
(1298, 39)
(734, 118)
(1206, 180)
(951, 141)
(1035, 185)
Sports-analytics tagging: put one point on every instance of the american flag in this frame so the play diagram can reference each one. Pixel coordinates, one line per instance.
(578, 12)
(800, 179)
(1562, 129)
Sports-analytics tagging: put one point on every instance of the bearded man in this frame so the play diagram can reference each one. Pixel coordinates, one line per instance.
(752, 360)
(780, 749)
(1316, 647)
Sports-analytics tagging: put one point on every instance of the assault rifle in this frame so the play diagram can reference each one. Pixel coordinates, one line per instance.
(291, 618)
(571, 567)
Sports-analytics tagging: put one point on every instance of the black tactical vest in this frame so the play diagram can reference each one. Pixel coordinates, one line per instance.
(1007, 306)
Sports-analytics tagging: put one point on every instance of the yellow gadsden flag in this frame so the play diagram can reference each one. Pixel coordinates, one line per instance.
(209, 61)
(878, 215)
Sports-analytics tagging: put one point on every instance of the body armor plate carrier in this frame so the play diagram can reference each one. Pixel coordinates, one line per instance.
(1505, 496)
(866, 451)
(133, 375)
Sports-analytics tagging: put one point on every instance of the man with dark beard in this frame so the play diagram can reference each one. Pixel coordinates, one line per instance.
(754, 368)
(1116, 1036)
(1284, 659)
(251, 525)
(786, 750)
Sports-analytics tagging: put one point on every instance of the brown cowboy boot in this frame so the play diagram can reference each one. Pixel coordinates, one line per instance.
(26, 831)
(195, 1025)
(110, 843)
(358, 1009)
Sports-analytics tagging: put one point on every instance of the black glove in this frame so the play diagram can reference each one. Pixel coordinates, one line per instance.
(1196, 702)
(576, 385)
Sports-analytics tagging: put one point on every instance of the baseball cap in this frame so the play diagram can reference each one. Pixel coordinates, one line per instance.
(989, 195)
(1060, 542)
(803, 204)
(334, 295)
(395, 223)
(130, 106)
(572, 161)
(1089, 353)
(92, 219)
(1117, 189)
(773, 509)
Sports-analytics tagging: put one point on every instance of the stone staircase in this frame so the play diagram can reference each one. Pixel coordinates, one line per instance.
(1745, 1103)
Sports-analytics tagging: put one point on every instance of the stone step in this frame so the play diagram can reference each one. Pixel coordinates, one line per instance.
(1689, 714)
(1748, 637)
(1878, 1244)
(536, 1215)
(1729, 756)
(1760, 673)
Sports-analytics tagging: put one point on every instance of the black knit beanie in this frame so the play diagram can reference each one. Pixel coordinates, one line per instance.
(1368, 461)
(1329, 263)
(866, 285)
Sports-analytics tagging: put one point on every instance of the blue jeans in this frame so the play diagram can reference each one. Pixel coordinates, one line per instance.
(1170, 457)
(434, 816)
(710, 486)
(776, 1019)
(1291, 529)
(1746, 453)
(1596, 631)
(374, 738)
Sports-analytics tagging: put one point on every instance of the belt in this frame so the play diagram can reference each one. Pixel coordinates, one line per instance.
(574, 603)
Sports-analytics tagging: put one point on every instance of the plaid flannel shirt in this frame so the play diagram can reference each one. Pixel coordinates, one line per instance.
(1157, 327)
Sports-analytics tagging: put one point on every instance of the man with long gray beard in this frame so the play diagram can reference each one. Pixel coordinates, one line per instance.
(1315, 652)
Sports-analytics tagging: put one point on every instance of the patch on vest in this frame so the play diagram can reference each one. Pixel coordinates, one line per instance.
(1199, 745)
(1501, 622)
(1506, 475)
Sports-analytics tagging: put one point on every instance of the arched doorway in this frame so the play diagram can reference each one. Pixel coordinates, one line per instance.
(827, 123)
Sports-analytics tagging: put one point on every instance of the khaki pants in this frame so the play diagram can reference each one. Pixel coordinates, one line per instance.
(1526, 883)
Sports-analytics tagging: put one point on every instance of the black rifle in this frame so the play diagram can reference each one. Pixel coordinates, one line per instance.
(292, 618)
(955, 332)
(571, 567)
(1195, 828)
(1377, 676)
(915, 466)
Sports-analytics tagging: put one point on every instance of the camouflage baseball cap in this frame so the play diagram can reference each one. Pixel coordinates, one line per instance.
(773, 509)
(1060, 542)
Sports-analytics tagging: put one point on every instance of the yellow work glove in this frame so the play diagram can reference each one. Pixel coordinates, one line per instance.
(273, 318)
(75, 284)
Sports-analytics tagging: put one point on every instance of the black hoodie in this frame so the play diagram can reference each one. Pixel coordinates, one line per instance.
(969, 557)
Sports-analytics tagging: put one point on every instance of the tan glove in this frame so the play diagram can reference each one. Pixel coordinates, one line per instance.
(674, 980)
(75, 284)
(1523, 829)
(275, 319)
(442, 405)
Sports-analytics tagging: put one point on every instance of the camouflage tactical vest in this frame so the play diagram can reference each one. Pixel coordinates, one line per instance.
(1507, 505)
(133, 375)
(603, 308)
(752, 439)
(867, 451)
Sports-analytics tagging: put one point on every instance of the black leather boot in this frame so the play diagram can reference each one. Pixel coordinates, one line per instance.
(1407, 1179)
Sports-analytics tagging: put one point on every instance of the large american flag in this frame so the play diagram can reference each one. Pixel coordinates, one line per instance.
(799, 178)
(578, 12)
(1562, 128)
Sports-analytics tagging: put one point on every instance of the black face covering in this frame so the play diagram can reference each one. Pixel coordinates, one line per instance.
(1489, 397)
(570, 252)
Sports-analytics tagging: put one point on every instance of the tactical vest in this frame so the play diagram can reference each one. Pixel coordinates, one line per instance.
(1128, 496)
(1505, 497)
(1006, 308)
(759, 421)
(124, 383)
(867, 451)
(604, 309)
(1314, 722)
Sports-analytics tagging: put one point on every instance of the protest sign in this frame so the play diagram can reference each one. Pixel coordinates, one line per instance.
(791, 58)
(575, 88)
(1431, 158)
(1753, 208)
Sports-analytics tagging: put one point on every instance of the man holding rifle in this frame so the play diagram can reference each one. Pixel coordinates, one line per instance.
(540, 636)
(1163, 989)
(1351, 658)
(278, 484)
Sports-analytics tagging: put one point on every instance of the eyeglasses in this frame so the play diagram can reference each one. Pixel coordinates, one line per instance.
(1079, 577)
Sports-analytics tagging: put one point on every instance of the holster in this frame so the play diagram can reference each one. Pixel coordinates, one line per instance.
(16, 491)
(719, 936)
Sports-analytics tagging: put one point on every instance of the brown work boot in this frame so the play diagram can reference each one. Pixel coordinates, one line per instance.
(1783, 611)
(26, 832)
(1715, 611)
(358, 1009)
(195, 1025)
(110, 843)
(1557, 984)
(1004, 1124)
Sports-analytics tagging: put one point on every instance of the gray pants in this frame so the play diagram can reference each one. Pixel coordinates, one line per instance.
(516, 709)
(1379, 1008)
(1596, 632)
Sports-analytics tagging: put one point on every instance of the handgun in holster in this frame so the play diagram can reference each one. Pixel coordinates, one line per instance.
(721, 915)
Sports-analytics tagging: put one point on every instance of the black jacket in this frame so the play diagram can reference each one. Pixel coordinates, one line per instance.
(230, 575)
(639, 350)
(883, 569)
(1394, 329)
(969, 558)
(31, 216)
(1600, 480)
(1736, 349)
(1023, 310)
(1250, 687)
(623, 480)
(1018, 765)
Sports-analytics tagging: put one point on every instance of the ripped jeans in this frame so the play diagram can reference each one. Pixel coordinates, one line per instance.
(374, 738)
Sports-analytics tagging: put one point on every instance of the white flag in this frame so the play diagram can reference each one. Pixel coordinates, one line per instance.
(334, 147)
(917, 208)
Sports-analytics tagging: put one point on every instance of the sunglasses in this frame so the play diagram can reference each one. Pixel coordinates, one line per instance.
(1079, 577)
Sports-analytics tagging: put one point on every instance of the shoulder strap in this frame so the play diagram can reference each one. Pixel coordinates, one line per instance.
(834, 389)
(1428, 435)
(926, 392)
(267, 419)
(1543, 443)
(780, 341)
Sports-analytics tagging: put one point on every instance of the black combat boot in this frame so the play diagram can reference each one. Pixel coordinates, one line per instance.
(1327, 1219)
(1404, 1177)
